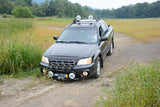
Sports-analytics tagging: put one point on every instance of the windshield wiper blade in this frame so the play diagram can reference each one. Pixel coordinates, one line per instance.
(62, 41)
(77, 42)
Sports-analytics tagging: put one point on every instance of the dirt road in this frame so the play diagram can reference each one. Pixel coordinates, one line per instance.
(79, 93)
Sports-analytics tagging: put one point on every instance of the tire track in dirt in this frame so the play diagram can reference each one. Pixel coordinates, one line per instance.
(22, 100)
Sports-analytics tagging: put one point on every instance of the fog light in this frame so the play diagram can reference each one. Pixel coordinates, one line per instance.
(72, 75)
(85, 73)
(50, 74)
(44, 71)
(66, 76)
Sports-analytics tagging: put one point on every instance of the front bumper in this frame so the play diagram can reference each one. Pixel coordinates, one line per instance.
(77, 70)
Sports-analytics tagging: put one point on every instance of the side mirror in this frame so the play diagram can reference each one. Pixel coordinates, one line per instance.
(103, 33)
(55, 37)
(104, 39)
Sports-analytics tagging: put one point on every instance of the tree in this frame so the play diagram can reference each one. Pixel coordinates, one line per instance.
(6, 7)
(29, 2)
(64, 8)
(22, 12)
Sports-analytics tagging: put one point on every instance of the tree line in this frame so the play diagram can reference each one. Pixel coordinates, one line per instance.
(139, 10)
(64, 8)
(60, 8)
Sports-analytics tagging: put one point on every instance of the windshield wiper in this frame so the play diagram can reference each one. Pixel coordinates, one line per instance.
(62, 41)
(71, 42)
(77, 42)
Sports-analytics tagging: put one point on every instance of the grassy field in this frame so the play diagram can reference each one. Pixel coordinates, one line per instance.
(143, 30)
(137, 86)
(23, 42)
(22, 39)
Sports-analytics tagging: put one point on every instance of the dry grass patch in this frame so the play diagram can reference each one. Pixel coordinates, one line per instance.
(144, 30)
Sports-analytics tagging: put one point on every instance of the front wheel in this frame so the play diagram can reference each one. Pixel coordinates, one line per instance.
(110, 52)
(98, 69)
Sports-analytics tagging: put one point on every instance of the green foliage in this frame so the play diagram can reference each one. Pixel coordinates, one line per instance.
(138, 86)
(60, 8)
(64, 8)
(17, 56)
(12, 26)
(22, 12)
(21, 75)
(1, 81)
(6, 7)
(7, 16)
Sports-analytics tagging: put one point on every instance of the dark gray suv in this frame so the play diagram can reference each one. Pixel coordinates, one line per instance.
(79, 51)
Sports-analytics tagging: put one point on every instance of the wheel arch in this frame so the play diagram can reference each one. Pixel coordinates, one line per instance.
(101, 60)
(113, 39)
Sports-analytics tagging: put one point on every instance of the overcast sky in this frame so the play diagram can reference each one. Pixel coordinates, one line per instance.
(109, 4)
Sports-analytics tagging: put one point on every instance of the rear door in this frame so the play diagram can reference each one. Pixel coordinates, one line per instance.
(105, 33)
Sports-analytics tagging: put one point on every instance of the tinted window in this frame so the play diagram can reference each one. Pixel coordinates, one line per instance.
(86, 35)
(104, 27)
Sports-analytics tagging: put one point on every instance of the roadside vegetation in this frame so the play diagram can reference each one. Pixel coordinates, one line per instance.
(22, 43)
(17, 55)
(137, 85)
(11, 26)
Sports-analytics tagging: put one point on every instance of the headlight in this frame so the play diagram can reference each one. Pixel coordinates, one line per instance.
(45, 59)
(85, 61)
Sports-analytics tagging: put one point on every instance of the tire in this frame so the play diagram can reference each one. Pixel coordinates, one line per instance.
(98, 69)
(110, 52)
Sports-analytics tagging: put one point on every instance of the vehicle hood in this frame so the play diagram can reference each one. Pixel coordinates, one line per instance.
(71, 49)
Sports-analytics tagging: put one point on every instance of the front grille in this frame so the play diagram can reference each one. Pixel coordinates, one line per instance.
(62, 65)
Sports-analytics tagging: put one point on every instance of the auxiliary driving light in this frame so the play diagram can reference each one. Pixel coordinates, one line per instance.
(66, 76)
(50, 74)
(72, 75)
(90, 17)
(44, 71)
(85, 73)
(78, 17)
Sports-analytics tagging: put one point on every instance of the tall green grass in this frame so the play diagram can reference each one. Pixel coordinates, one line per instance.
(137, 86)
(12, 26)
(18, 56)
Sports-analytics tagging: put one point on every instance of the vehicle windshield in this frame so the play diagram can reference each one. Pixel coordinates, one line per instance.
(78, 35)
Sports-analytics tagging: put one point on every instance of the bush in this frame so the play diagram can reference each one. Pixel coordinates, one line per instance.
(22, 12)
(7, 16)
(137, 86)
(17, 56)
(4, 15)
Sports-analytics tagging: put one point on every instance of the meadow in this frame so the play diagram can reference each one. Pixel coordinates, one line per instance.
(21, 39)
(143, 30)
